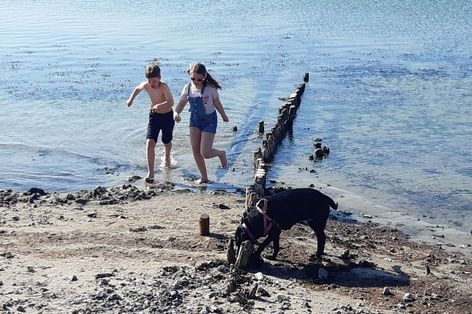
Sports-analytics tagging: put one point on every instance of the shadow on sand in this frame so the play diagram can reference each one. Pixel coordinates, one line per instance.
(339, 272)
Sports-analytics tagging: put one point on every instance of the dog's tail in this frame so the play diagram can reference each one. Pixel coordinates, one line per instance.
(332, 204)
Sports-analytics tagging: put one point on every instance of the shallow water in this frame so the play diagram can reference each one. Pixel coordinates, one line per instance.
(390, 93)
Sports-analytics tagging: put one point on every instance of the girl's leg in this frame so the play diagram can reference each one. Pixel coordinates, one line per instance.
(150, 155)
(195, 139)
(207, 150)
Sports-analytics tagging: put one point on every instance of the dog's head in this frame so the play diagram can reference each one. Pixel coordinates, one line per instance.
(253, 221)
(240, 235)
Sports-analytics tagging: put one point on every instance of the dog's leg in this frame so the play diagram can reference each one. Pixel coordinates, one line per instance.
(262, 246)
(320, 237)
(276, 246)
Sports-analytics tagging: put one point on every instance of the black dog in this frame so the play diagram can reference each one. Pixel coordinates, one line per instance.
(281, 211)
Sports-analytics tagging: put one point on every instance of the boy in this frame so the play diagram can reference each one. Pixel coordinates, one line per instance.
(161, 116)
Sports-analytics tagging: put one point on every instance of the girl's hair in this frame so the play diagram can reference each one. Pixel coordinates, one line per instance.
(200, 69)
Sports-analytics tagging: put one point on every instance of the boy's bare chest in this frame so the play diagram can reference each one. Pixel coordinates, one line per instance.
(156, 94)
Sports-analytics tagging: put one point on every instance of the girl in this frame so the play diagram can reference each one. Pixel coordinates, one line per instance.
(202, 94)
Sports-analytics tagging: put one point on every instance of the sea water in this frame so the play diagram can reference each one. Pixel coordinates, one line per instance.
(390, 94)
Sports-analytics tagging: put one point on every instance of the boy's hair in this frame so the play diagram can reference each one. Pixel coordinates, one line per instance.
(152, 70)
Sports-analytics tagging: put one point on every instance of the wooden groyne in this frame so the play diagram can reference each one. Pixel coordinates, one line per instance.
(270, 143)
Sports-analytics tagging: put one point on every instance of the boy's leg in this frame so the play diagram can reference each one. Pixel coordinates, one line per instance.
(195, 138)
(208, 151)
(167, 136)
(151, 138)
(150, 155)
(167, 149)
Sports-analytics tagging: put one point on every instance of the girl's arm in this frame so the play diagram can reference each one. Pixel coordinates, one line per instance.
(220, 109)
(180, 107)
(135, 93)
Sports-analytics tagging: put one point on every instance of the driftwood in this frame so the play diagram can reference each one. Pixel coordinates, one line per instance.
(244, 254)
(230, 253)
(253, 291)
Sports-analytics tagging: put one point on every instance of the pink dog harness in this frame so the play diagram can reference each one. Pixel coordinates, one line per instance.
(267, 221)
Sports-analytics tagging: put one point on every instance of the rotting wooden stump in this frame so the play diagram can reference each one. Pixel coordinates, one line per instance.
(204, 225)
(261, 126)
(257, 158)
(291, 112)
(230, 253)
(260, 179)
(251, 197)
(244, 254)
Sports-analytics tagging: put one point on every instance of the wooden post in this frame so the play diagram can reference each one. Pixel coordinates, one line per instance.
(259, 163)
(306, 77)
(260, 179)
(251, 197)
(204, 225)
(301, 87)
(292, 112)
(294, 99)
(244, 254)
(261, 127)
(230, 253)
(269, 142)
(265, 154)
(257, 156)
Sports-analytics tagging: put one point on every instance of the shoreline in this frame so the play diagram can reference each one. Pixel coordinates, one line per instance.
(130, 249)
(445, 237)
(417, 228)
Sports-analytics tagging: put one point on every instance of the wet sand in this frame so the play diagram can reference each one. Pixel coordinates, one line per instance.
(129, 249)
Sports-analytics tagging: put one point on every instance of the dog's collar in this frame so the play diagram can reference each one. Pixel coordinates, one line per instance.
(267, 222)
(262, 209)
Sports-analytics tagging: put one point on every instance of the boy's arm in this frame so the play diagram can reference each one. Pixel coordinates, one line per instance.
(220, 109)
(135, 93)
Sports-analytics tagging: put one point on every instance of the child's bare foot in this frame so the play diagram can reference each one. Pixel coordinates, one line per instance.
(223, 160)
(149, 180)
(201, 181)
(167, 163)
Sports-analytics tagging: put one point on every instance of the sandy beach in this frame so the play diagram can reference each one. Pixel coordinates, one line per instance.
(138, 250)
